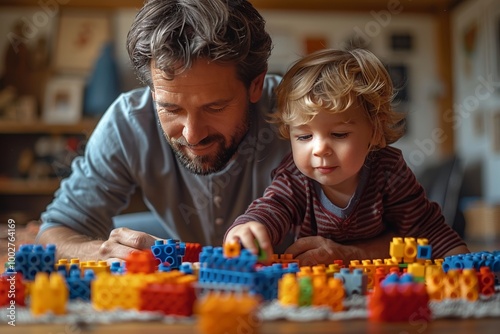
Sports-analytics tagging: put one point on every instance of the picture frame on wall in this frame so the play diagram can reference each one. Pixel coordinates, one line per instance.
(63, 100)
(80, 37)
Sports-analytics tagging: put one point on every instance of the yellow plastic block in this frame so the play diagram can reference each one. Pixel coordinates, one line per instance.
(434, 281)
(469, 286)
(97, 266)
(416, 269)
(397, 249)
(288, 290)
(452, 285)
(49, 294)
(410, 250)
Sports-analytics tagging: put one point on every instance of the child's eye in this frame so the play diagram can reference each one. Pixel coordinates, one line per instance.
(304, 137)
(340, 135)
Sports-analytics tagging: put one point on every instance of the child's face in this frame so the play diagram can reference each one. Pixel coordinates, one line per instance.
(332, 148)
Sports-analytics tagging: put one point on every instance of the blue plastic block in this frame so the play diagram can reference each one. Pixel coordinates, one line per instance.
(424, 252)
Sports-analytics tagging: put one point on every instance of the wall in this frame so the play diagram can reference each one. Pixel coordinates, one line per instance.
(477, 89)
(290, 29)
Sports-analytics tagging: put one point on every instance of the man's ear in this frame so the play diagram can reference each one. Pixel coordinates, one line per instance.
(256, 87)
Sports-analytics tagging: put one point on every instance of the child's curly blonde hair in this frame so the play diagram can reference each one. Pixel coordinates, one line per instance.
(334, 80)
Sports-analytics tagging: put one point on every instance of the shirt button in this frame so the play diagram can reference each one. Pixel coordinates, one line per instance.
(217, 201)
(219, 221)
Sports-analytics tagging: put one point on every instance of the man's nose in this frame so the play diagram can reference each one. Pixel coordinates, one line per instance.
(195, 129)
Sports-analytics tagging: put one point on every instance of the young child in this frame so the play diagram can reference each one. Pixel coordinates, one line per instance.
(342, 182)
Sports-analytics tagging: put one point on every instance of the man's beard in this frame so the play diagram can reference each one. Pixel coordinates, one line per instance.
(203, 165)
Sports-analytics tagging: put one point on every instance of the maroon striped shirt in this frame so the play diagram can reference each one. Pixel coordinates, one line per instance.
(391, 197)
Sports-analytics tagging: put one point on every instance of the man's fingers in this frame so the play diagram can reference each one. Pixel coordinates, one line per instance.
(131, 238)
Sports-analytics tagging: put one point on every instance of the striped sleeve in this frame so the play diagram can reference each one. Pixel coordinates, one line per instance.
(282, 205)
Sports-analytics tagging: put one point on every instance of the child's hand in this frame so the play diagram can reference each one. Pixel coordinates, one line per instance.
(247, 234)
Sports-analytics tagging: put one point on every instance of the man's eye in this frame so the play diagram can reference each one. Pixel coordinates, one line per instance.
(216, 109)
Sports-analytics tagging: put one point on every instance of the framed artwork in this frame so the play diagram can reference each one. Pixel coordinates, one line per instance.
(401, 41)
(313, 44)
(80, 38)
(63, 100)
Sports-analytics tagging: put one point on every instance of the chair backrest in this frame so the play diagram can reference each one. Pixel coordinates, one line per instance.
(443, 183)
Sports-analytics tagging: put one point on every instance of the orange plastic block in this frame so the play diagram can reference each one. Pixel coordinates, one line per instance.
(141, 262)
(328, 291)
(232, 249)
(228, 313)
(435, 284)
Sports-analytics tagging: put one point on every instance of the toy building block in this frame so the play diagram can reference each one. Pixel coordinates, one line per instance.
(354, 282)
(424, 250)
(452, 285)
(79, 287)
(141, 262)
(227, 313)
(284, 259)
(170, 298)
(399, 301)
(12, 289)
(267, 279)
(48, 294)
(410, 252)
(305, 291)
(486, 280)
(397, 249)
(97, 266)
(469, 286)
(418, 271)
(435, 284)
(192, 253)
(288, 290)
(328, 291)
(171, 251)
(31, 259)
(332, 269)
(232, 249)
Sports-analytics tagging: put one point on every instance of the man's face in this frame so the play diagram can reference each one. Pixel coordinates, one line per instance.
(204, 113)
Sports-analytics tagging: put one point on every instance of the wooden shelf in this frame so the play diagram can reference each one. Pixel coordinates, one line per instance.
(12, 186)
(428, 6)
(86, 127)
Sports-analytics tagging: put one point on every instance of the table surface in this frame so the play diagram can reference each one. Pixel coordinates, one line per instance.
(455, 326)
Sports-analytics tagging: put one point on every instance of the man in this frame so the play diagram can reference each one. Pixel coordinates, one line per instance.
(196, 140)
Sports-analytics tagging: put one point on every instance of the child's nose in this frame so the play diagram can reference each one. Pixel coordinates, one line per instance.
(321, 148)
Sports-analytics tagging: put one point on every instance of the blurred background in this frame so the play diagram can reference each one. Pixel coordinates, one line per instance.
(62, 62)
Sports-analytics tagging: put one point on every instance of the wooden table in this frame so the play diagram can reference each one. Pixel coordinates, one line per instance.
(452, 326)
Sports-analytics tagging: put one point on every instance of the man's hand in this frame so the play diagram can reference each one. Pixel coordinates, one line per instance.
(311, 251)
(123, 241)
(247, 234)
(71, 244)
